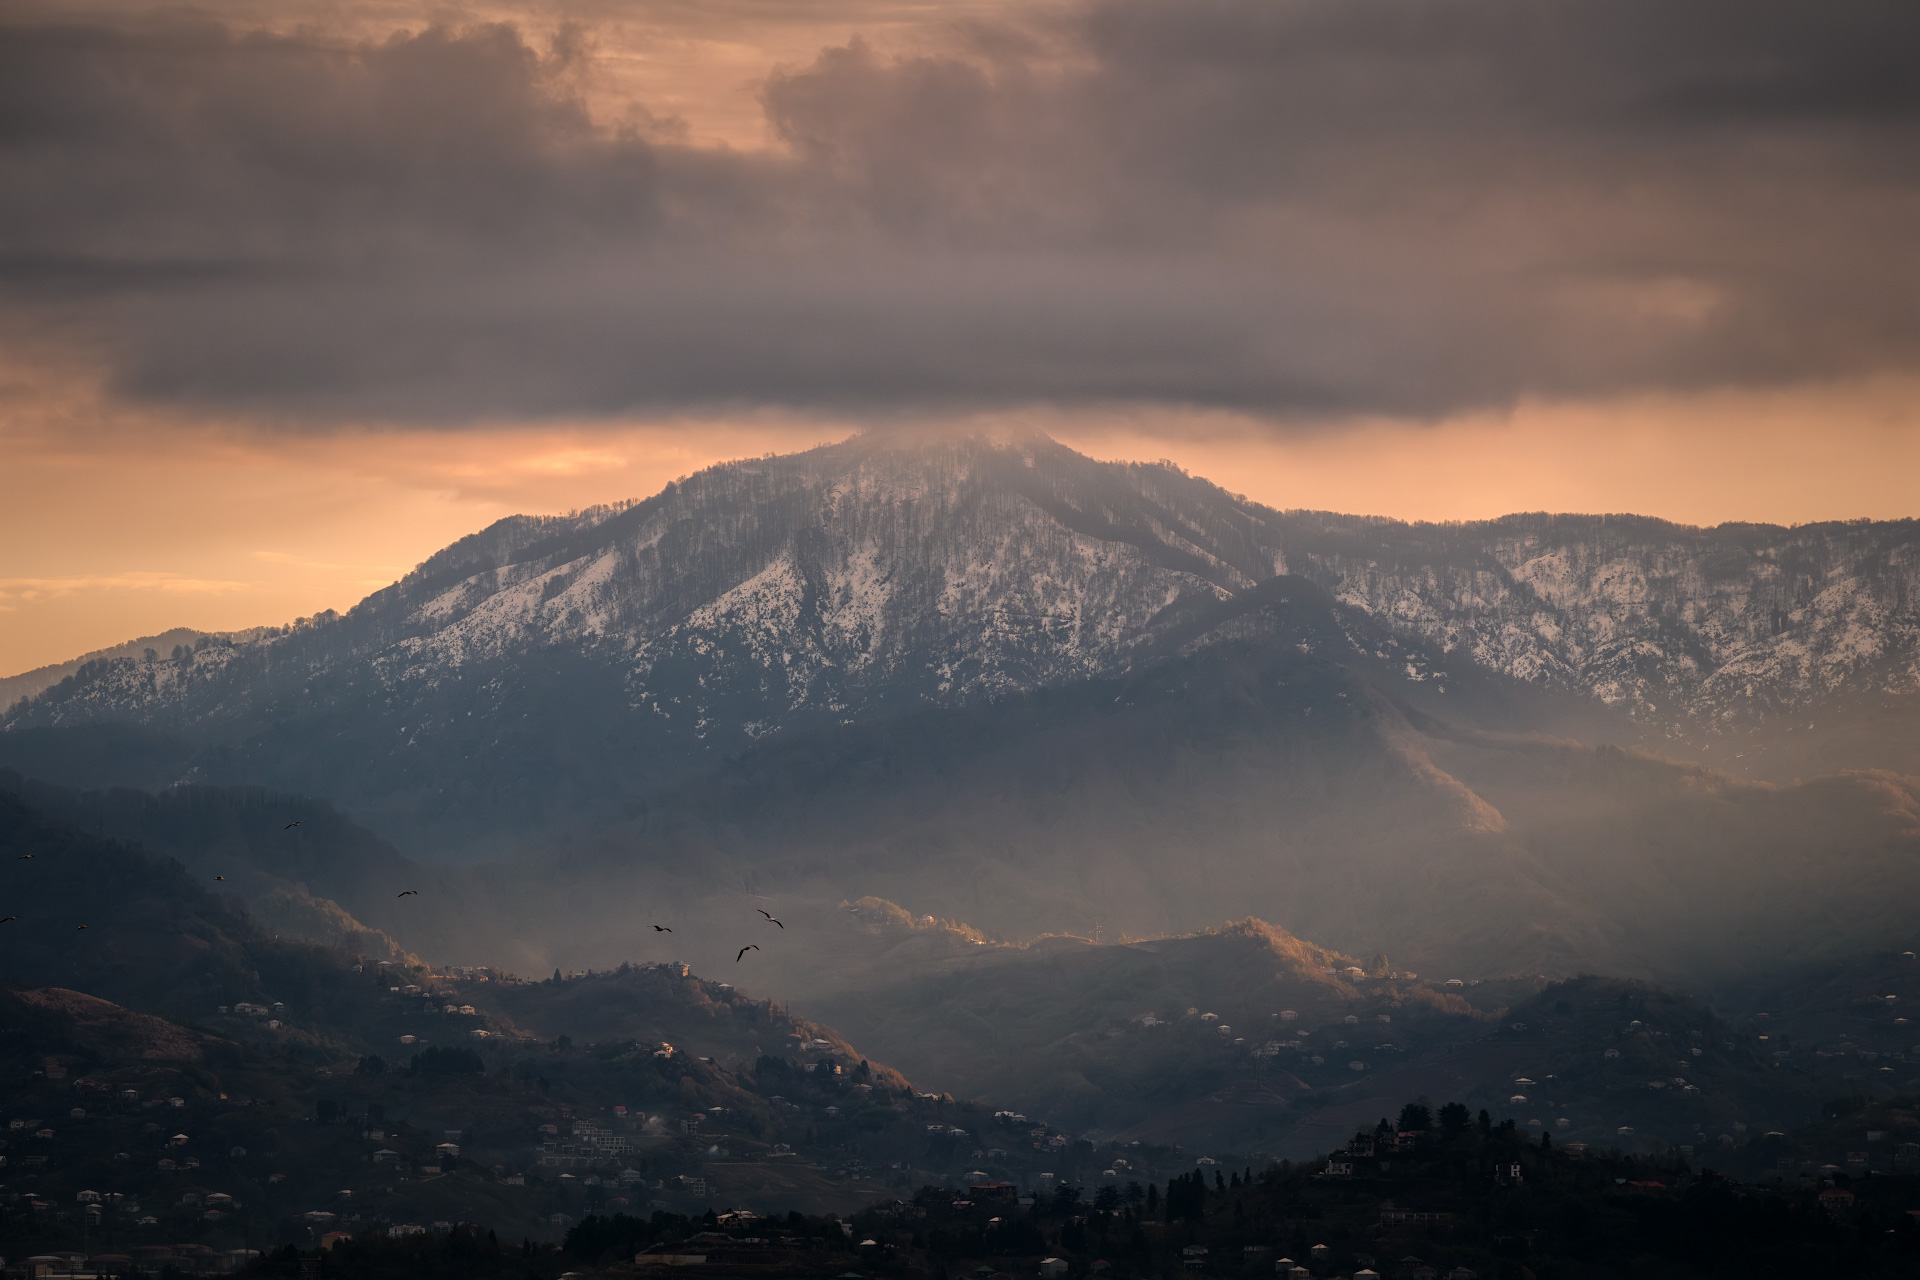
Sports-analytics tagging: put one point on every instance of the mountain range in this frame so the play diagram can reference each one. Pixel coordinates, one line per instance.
(493, 690)
(1022, 693)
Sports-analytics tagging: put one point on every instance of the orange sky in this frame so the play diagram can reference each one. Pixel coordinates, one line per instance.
(122, 524)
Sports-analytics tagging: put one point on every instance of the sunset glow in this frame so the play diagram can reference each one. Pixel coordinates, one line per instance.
(756, 227)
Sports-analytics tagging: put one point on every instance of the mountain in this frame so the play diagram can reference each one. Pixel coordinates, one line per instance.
(270, 1044)
(1162, 1038)
(1055, 1027)
(546, 671)
(1265, 780)
(98, 916)
(1701, 629)
(1247, 1037)
(28, 683)
(999, 683)
(1249, 778)
(492, 683)
(295, 863)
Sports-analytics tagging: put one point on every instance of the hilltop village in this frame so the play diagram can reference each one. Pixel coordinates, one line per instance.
(137, 1142)
(274, 1139)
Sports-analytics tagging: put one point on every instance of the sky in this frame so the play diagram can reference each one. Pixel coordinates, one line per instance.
(285, 308)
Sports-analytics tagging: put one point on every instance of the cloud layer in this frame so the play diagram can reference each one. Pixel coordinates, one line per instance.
(1287, 206)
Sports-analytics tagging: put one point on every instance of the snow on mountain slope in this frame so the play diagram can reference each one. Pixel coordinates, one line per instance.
(1680, 625)
(885, 573)
(817, 584)
(751, 599)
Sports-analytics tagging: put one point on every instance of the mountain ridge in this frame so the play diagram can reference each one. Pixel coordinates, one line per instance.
(997, 681)
(542, 673)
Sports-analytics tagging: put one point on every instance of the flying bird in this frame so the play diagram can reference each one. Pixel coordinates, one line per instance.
(660, 928)
(768, 915)
(77, 928)
(744, 950)
(219, 877)
(25, 856)
(404, 894)
(9, 918)
(291, 825)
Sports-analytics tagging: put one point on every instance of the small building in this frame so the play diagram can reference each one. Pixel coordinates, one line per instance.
(1425, 1217)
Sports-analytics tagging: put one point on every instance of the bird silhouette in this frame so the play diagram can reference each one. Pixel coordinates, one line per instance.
(744, 950)
(77, 928)
(409, 891)
(25, 856)
(219, 877)
(291, 825)
(8, 919)
(768, 915)
(660, 928)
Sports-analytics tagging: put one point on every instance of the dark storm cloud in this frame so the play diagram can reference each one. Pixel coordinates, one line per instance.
(1404, 205)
